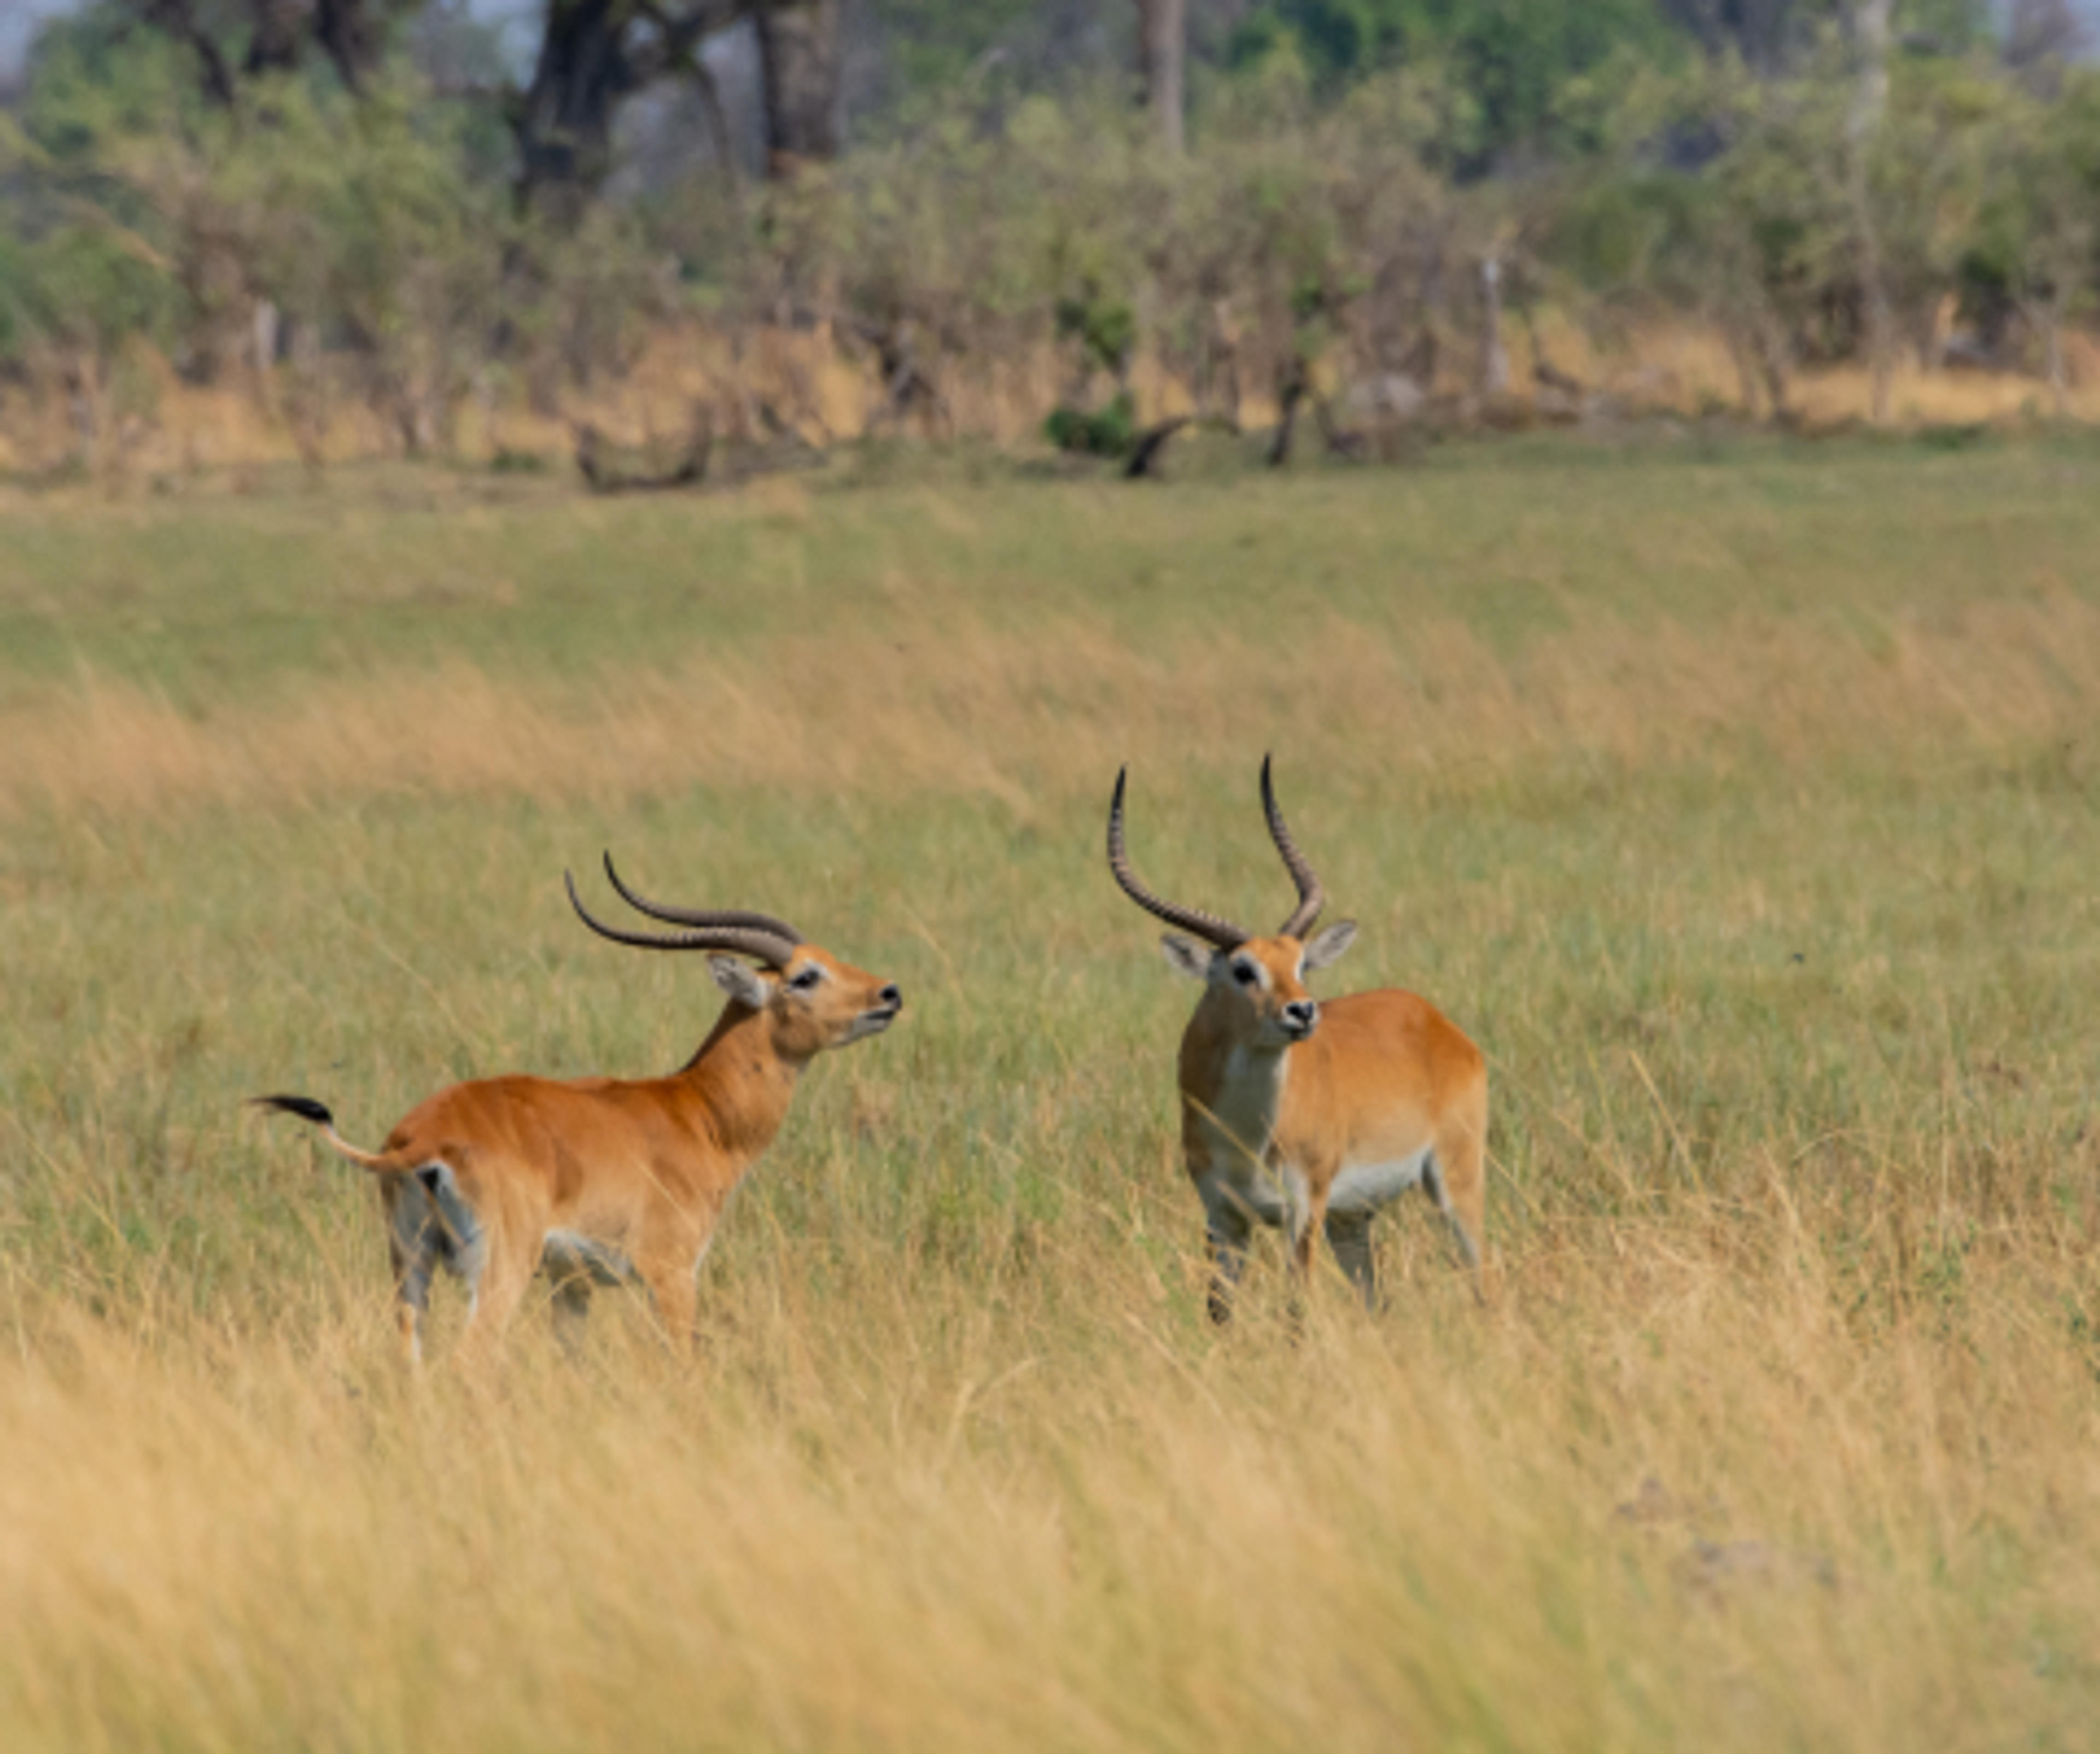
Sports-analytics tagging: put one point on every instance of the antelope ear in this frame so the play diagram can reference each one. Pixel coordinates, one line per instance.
(1329, 946)
(1184, 956)
(741, 981)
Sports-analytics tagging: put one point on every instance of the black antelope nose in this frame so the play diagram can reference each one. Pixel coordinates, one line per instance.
(1301, 1014)
(892, 997)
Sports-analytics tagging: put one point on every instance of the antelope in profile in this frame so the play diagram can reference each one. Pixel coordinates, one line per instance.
(1305, 1116)
(610, 1180)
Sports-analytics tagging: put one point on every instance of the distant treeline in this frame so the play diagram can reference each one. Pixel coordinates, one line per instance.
(1348, 205)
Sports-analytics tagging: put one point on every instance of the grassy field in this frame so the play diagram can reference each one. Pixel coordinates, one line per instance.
(1740, 803)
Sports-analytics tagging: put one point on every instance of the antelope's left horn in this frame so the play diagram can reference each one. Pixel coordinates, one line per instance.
(762, 944)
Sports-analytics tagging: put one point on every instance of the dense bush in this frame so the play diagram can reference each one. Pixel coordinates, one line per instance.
(1344, 189)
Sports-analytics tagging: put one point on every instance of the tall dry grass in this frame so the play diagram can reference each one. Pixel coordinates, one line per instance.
(1743, 815)
(941, 703)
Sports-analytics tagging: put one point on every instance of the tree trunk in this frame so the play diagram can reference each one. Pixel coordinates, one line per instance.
(83, 382)
(179, 19)
(1288, 396)
(1870, 99)
(1163, 38)
(563, 123)
(1776, 360)
(266, 330)
(2059, 383)
(720, 141)
(1494, 357)
(593, 55)
(798, 48)
(2045, 316)
(273, 41)
(353, 35)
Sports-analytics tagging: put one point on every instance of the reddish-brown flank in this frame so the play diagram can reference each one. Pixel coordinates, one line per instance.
(1308, 1116)
(1382, 1073)
(606, 1178)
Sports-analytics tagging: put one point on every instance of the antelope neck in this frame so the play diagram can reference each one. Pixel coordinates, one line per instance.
(742, 1080)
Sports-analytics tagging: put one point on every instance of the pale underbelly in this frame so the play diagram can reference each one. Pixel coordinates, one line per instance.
(1276, 1195)
(1366, 1186)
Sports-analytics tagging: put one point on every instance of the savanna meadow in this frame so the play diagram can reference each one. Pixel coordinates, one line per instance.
(1740, 805)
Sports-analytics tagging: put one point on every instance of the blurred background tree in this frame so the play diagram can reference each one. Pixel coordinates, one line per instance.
(412, 203)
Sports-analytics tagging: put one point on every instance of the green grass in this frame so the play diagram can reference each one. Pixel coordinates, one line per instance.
(1742, 809)
(204, 597)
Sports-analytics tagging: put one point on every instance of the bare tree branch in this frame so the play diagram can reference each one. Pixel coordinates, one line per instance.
(179, 19)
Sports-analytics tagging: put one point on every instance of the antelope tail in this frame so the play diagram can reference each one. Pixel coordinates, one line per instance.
(307, 1109)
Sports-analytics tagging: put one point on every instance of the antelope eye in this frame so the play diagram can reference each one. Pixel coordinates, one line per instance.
(1243, 973)
(809, 977)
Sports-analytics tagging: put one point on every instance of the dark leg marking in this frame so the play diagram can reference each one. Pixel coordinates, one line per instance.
(1433, 1179)
(1349, 1236)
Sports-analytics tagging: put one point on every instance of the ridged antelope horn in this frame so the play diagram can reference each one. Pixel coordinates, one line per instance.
(706, 918)
(770, 948)
(1311, 896)
(1222, 933)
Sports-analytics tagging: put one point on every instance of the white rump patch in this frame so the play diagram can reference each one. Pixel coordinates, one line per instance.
(442, 1223)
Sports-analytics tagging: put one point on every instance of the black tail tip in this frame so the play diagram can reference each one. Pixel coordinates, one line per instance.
(304, 1107)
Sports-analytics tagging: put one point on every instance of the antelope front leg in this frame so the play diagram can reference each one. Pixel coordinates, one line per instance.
(1308, 1220)
(1228, 1226)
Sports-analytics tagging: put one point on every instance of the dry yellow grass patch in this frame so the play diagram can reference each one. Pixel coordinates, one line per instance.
(939, 704)
(1736, 810)
(1671, 1490)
